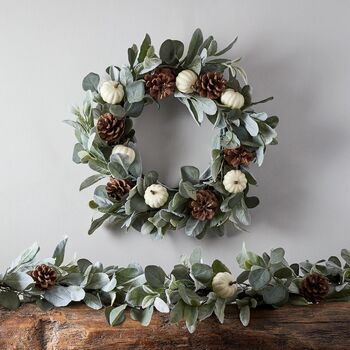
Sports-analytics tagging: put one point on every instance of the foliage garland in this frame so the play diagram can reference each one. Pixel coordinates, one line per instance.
(192, 292)
(202, 203)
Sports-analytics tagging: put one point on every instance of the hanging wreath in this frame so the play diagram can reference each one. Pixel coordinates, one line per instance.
(209, 86)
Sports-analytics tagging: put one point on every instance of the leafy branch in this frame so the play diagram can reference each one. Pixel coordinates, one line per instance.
(189, 293)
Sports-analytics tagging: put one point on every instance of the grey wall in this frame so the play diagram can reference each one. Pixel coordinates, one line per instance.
(296, 50)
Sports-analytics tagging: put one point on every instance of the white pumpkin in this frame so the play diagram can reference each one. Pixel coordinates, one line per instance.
(224, 285)
(126, 151)
(156, 196)
(112, 92)
(185, 81)
(232, 99)
(235, 181)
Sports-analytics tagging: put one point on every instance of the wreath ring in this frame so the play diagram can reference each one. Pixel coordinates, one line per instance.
(209, 86)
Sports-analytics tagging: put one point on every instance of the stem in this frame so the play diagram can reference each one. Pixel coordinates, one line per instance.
(262, 101)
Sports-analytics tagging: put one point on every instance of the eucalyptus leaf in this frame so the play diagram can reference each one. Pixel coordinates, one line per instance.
(167, 52)
(161, 305)
(144, 316)
(195, 44)
(150, 63)
(93, 301)
(144, 48)
(95, 224)
(91, 180)
(25, 257)
(90, 82)
(135, 91)
(18, 280)
(250, 124)
(259, 277)
(277, 256)
(77, 293)
(189, 296)
(218, 266)
(219, 309)
(155, 276)
(187, 190)
(227, 48)
(207, 105)
(191, 316)
(116, 315)
(98, 281)
(275, 295)
(196, 256)
(59, 252)
(244, 315)
(202, 273)
(194, 227)
(177, 312)
(190, 174)
(9, 300)
(125, 76)
(58, 296)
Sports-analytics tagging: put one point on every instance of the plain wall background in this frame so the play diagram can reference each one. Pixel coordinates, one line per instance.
(297, 51)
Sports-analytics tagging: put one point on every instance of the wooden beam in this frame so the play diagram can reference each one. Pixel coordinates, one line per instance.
(324, 326)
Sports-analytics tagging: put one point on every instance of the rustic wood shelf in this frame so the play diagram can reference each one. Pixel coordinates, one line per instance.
(324, 326)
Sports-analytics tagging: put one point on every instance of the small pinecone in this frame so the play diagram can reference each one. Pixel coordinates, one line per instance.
(44, 276)
(238, 156)
(210, 85)
(314, 287)
(110, 128)
(160, 83)
(204, 206)
(118, 188)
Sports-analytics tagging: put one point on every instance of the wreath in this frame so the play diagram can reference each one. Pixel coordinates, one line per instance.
(209, 86)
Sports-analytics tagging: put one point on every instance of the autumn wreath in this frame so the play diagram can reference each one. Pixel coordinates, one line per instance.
(209, 86)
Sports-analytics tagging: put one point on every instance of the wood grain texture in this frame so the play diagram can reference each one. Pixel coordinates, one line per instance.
(76, 327)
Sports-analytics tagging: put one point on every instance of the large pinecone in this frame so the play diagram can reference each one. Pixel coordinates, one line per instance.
(110, 128)
(118, 188)
(160, 83)
(204, 206)
(210, 85)
(238, 156)
(314, 287)
(44, 276)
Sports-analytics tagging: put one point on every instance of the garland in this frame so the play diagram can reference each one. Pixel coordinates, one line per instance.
(209, 86)
(192, 292)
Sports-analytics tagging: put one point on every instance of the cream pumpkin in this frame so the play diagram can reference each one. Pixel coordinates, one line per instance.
(112, 92)
(156, 196)
(185, 81)
(232, 99)
(126, 151)
(235, 181)
(224, 285)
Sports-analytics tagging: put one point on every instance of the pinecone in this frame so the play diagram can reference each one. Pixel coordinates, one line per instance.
(238, 156)
(314, 287)
(110, 128)
(210, 85)
(44, 276)
(160, 83)
(204, 206)
(118, 188)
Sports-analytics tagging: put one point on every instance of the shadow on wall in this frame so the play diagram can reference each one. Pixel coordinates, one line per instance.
(287, 176)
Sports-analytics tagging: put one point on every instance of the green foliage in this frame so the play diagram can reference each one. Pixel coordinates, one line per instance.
(244, 127)
(90, 82)
(186, 293)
